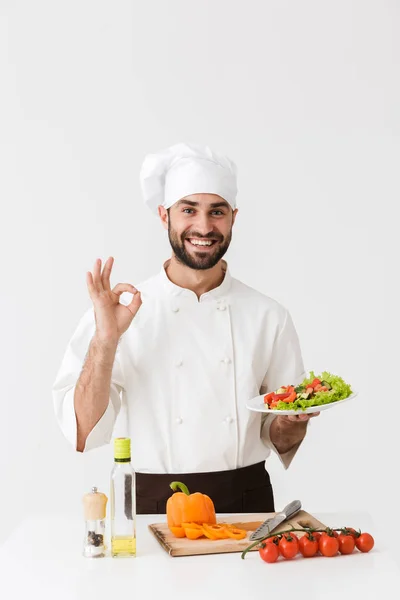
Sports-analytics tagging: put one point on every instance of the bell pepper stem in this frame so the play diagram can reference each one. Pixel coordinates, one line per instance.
(177, 486)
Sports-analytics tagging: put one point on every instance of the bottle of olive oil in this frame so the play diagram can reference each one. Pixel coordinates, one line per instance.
(123, 501)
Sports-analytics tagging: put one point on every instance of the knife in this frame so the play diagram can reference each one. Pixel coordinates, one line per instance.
(265, 528)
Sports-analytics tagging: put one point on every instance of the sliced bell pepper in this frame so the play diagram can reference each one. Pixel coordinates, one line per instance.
(235, 533)
(178, 532)
(209, 533)
(219, 530)
(193, 530)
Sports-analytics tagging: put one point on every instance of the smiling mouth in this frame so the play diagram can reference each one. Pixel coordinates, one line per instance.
(201, 244)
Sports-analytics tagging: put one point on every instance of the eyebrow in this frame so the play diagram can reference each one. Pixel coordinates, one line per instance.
(213, 205)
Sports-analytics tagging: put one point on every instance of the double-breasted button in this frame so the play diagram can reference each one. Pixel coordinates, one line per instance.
(179, 363)
(175, 309)
(226, 360)
(179, 421)
(229, 420)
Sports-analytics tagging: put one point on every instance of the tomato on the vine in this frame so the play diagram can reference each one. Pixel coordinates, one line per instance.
(308, 545)
(269, 552)
(365, 542)
(346, 543)
(328, 545)
(275, 540)
(288, 546)
(328, 542)
(331, 532)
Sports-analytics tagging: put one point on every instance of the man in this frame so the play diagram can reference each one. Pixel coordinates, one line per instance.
(184, 351)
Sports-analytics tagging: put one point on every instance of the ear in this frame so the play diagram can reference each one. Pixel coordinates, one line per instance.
(235, 212)
(163, 214)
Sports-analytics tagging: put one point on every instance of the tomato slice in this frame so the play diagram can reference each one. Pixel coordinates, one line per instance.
(290, 398)
(269, 397)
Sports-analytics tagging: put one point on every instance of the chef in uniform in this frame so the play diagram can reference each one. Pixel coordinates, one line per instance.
(200, 346)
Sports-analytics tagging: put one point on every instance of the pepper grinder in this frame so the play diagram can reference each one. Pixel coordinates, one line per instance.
(95, 513)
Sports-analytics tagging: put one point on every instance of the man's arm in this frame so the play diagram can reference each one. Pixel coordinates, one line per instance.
(92, 390)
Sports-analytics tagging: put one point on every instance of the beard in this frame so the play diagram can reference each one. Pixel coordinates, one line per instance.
(199, 260)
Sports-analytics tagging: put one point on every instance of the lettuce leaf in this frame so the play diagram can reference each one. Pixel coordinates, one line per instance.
(340, 390)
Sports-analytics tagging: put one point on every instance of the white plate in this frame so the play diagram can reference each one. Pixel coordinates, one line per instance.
(257, 405)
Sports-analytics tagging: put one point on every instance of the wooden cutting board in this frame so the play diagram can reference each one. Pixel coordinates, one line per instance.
(184, 547)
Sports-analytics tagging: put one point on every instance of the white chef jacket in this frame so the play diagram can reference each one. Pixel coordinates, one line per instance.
(182, 374)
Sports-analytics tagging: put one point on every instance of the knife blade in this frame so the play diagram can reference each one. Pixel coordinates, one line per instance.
(270, 524)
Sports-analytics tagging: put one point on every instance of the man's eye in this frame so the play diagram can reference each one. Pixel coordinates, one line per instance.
(188, 210)
(219, 212)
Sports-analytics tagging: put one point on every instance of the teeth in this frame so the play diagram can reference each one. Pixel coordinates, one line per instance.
(200, 243)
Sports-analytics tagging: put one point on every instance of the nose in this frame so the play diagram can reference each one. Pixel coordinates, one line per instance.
(203, 224)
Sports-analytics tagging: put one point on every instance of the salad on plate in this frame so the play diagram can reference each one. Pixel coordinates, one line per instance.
(312, 391)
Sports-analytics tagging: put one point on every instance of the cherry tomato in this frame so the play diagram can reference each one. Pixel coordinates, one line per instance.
(274, 540)
(316, 534)
(269, 552)
(365, 542)
(308, 547)
(350, 531)
(288, 546)
(346, 543)
(331, 532)
(328, 545)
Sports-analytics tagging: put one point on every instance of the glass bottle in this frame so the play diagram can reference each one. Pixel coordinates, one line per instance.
(123, 501)
(94, 505)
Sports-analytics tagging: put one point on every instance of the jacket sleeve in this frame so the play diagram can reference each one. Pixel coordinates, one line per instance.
(286, 368)
(63, 389)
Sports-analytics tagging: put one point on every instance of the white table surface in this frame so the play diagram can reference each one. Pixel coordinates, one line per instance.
(42, 558)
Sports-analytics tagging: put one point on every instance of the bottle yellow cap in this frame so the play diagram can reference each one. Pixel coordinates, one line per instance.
(122, 448)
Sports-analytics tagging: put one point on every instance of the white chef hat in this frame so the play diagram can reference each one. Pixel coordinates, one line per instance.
(185, 169)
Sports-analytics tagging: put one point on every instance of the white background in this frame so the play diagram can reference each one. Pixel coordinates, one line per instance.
(304, 96)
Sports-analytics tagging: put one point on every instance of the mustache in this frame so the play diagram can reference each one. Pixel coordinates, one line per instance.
(209, 236)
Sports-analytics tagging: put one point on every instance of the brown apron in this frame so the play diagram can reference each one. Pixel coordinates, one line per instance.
(241, 490)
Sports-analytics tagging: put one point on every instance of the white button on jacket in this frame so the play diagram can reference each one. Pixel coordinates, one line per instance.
(254, 330)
